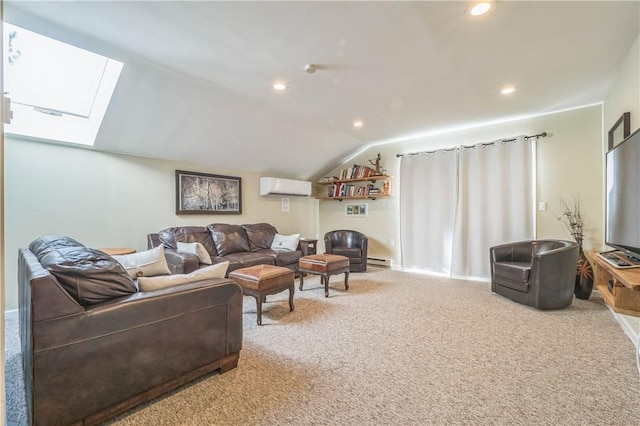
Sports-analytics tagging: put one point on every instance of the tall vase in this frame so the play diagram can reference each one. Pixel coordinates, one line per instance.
(584, 277)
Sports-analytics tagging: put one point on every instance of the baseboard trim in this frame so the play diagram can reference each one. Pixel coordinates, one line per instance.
(625, 321)
(11, 315)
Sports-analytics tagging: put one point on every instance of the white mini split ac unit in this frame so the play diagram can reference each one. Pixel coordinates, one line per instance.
(277, 186)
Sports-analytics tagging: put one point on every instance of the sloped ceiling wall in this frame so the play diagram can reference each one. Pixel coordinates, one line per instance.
(196, 84)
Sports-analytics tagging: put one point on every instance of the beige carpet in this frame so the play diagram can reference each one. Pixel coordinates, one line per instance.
(408, 349)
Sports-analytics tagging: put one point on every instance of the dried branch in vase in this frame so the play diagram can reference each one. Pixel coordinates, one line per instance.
(571, 218)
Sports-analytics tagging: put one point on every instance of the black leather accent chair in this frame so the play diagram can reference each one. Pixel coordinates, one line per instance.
(351, 244)
(536, 273)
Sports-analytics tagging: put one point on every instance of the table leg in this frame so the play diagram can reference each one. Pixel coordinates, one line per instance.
(301, 280)
(291, 290)
(259, 309)
(325, 278)
(346, 280)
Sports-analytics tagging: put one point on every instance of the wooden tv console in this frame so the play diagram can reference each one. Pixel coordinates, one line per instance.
(620, 288)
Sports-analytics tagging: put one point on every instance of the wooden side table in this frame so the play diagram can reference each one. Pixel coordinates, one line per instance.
(117, 251)
(308, 246)
(620, 288)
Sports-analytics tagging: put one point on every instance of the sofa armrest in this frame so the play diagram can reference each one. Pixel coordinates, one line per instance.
(153, 241)
(328, 246)
(181, 263)
(118, 350)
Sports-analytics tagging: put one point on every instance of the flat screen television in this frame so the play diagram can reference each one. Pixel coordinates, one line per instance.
(622, 218)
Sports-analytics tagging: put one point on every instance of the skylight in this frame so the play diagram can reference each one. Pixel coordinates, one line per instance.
(58, 92)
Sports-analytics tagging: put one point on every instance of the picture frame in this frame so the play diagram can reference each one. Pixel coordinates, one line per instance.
(203, 193)
(620, 130)
(356, 210)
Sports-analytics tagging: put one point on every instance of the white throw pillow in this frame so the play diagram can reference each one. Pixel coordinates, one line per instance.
(147, 263)
(219, 270)
(197, 249)
(285, 242)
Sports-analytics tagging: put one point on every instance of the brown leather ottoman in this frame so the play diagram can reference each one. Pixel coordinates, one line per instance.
(260, 280)
(324, 265)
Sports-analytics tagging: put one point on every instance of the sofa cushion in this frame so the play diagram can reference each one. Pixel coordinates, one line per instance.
(260, 235)
(522, 287)
(218, 270)
(88, 275)
(282, 257)
(250, 259)
(188, 234)
(52, 242)
(285, 242)
(354, 254)
(148, 263)
(515, 271)
(229, 238)
(197, 249)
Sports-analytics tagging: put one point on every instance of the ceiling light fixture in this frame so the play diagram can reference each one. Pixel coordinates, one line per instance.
(480, 8)
(310, 68)
(358, 123)
(279, 86)
(508, 90)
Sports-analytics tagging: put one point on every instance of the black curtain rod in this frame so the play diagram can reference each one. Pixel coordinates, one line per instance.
(539, 135)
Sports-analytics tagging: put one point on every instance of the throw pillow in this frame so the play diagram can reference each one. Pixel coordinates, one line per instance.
(145, 263)
(285, 242)
(197, 249)
(219, 270)
(88, 275)
(188, 234)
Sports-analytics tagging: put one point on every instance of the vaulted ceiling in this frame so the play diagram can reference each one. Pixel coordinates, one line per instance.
(197, 80)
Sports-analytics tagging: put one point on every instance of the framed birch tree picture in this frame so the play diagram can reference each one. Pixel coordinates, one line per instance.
(202, 193)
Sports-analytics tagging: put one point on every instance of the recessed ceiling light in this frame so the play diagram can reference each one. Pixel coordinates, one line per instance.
(479, 8)
(508, 90)
(279, 86)
(358, 123)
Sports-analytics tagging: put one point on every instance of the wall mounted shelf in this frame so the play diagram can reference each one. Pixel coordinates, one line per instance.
(353, 189)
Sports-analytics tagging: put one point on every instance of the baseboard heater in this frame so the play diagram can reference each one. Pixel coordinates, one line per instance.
(378, 261)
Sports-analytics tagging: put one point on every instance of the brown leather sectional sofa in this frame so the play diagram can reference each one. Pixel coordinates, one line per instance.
(94, 346)
(241, 245)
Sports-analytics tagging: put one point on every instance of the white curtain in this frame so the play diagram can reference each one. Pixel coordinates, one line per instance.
(428, 198)
(455, 205)
(495, 203)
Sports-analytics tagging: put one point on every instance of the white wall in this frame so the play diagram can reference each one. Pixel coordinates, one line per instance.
(111, 200)
(569, 162)
(625, 96)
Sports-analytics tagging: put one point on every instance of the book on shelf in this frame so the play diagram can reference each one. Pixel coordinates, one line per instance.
(338, 190)
(343, 190)
(356, 172)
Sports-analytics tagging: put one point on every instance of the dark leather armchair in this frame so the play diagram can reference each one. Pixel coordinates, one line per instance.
(536, 273)
(351, 244)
